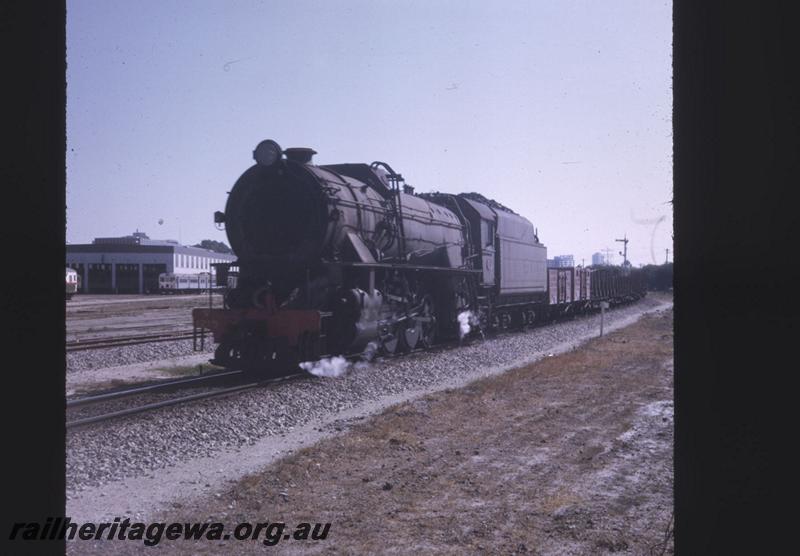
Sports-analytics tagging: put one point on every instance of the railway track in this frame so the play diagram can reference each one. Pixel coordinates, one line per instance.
(99, 343)
(207, 380)
(161, 387)
(170, 385)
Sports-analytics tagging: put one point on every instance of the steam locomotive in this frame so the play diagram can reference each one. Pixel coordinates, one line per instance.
(335, 258)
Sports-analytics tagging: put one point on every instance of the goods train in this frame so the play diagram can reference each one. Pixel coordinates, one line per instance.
(72, 281)
(338, 257)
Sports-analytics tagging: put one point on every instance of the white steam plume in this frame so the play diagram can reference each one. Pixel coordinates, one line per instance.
(369, 354)
(463, 324)
(467, 320)
(370, 351)
(337, 365)
(328, 366)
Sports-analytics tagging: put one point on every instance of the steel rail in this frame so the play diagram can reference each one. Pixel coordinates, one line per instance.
(134, 336)
(174, 401)
(99, 343)
(163, 385)
(443, 346)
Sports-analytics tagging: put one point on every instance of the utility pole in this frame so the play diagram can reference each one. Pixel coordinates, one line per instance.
(625, 254)
(667, 259)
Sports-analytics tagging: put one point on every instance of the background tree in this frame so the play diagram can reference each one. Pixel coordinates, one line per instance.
(216, 246)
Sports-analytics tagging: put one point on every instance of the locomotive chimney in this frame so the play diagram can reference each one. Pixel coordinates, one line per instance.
(301, 155)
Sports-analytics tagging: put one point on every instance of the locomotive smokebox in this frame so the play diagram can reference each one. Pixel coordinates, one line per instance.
(277, 215)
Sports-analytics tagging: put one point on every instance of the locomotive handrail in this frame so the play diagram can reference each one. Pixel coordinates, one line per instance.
(466, 227)
(402, 266)
(395, 180)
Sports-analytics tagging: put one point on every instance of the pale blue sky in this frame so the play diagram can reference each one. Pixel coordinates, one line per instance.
(560, 110)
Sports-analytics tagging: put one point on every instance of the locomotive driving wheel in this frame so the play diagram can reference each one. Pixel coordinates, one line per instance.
(427, 323)
(390, 340)
(412, 333)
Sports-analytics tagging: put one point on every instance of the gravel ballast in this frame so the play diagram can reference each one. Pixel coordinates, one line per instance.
(91, 359)
(144, 444)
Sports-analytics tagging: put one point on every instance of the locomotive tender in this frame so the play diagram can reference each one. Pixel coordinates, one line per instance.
(332, 258)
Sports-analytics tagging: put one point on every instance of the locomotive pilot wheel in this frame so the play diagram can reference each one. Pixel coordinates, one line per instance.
(309, 347)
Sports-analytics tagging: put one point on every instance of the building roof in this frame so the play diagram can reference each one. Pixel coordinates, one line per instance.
(139, 242)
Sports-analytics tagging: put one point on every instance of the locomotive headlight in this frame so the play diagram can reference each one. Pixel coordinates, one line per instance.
(267, 152)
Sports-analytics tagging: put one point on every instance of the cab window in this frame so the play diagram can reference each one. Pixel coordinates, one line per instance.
(487, 233)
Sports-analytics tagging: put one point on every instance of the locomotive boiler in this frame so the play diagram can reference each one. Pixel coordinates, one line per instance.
(288, 218)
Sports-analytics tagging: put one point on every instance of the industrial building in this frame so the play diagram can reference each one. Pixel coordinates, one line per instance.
(563, 261)
(131, 264)
(599, 259)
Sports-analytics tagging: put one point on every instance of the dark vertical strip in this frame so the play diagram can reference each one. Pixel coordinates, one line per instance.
(33, 266)
(736, 160)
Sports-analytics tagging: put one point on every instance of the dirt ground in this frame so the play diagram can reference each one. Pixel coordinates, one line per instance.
(570, 455)
(100, 316)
